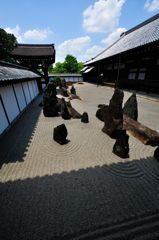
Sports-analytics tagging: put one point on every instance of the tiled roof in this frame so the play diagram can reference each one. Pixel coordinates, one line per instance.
(12, 73)
(34, 50)
(144, 33)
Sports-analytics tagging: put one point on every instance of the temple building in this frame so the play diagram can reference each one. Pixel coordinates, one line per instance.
(18, 88)
(131, 62)
(37, 57)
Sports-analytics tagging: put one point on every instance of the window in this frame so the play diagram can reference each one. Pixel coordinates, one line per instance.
(132, 76)
(141, 76)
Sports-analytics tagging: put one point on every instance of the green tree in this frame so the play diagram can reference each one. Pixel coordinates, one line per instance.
(80, 66)
(59, 68)
(7, 43)
(71, 64)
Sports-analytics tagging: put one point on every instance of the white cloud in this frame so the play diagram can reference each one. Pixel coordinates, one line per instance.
(92, 52)
(16, 31)
(152, 5)
(34, 34)
(72, 46)
(37, 34)
(103, 16)
(112, 37)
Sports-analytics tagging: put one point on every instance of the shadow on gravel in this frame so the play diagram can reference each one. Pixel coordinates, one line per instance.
(15, 142)
(119, 201)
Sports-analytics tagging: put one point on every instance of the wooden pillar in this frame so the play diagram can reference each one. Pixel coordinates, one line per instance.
(118, 72)
(39, 85)
(46, 75)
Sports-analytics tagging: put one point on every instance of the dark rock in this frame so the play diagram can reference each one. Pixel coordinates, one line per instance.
(64, 92)
(73, 90)
(84, 117)
(73, 96)
(130, 107)
(101, 112)
(50, 108)
(73, 113)
(121, 146)
(102, 105)
(113, 121)
(60, 134)
(41, 104)
(63, 89)
(156, 153)
(64, 110)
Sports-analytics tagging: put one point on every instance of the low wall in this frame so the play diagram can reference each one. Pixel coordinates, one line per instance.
(14, 99)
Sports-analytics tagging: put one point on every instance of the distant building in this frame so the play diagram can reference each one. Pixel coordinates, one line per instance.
(68, 77)
(131, 62)
(18, 87)
(35, 56)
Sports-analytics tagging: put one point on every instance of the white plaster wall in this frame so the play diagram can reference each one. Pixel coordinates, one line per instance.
(36, 87)
(26, 91)
(31, 90)
(3, 120)
(33, 86)
(9, 101)
(20, 96)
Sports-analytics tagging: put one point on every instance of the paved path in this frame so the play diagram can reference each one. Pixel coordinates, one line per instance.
(80, 190)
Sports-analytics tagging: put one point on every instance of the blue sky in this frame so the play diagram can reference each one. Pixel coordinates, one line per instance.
(82, 28)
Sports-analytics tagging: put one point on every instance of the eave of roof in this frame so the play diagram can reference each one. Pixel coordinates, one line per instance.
(12, 73)
(65, 74)
(34, 50)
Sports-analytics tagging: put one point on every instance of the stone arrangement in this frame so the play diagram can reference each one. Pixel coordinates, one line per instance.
(53, 106)
(117, 121)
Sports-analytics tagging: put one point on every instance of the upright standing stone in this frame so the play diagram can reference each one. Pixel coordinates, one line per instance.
(130, 107)
(50, 108)
(113, 121)
(64, 110)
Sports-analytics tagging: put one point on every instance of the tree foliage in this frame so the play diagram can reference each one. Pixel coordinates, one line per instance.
(70, 65)
(7, 43)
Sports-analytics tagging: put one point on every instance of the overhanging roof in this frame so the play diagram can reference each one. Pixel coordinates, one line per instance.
(143, 34)
(88, 69)
(65, 75)
(34, 50)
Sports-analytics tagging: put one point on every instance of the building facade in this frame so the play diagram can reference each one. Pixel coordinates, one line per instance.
(131, 62)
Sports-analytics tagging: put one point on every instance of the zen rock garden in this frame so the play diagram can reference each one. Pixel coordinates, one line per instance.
(118, 120)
